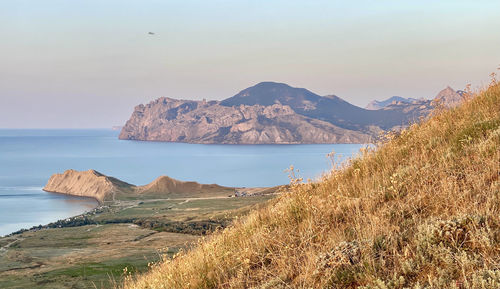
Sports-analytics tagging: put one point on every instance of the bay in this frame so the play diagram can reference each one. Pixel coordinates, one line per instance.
(29, 157)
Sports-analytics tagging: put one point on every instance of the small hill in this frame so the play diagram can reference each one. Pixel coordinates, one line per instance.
(89, 183)
(421, 210)
(103, 188)
(167, 186)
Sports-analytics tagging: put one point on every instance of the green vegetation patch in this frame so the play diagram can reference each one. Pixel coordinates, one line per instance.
(103, 274)
(474, 132)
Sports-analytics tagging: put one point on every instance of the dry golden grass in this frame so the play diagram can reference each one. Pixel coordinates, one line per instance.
(421, 210)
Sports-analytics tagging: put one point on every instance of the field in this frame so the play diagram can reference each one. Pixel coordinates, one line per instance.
(93, 250)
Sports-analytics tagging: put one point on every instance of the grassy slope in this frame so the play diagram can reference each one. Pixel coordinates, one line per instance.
(422, 210)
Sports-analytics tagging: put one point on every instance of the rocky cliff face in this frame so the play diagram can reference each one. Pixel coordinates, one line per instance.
(105, 188)
(86, 184)
(267, 113)
(449, 98)
(172, 120)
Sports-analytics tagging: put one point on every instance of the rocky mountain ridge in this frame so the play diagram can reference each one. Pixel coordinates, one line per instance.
(447, 97)
(376, 104)
(269, 113)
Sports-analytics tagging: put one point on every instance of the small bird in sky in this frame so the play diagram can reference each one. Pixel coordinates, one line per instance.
(151, 33)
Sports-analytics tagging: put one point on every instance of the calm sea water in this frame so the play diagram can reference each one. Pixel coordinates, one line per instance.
(29, 157)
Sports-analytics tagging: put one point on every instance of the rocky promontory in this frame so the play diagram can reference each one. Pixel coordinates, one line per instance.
(244, 124)
(270, 113)
(103, 188)
(89, 183)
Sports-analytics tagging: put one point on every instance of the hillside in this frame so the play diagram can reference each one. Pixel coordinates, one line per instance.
(89, 183)
(165, 185)
(421, 210)
(93, 184)
(267, 113)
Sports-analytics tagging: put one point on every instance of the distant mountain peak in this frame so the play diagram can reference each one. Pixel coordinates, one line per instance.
(268, 85)
(447, 89)
(271, 84)
(268, 93)
(376, 104)
(449, 97)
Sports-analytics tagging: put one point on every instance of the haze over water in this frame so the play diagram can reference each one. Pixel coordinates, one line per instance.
(29, 157)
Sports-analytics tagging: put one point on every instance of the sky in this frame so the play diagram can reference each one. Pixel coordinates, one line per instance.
(87, 63)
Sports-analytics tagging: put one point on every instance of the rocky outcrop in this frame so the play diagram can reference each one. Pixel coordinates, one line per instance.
(268, 113)
(200, 122)
(449, 98)
(105, 188)
(86, 184)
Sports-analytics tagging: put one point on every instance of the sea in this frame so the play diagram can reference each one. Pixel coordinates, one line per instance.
(28, 157)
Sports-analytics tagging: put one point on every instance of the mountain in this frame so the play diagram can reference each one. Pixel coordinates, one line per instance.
(267, 113)
(103, 188)
(269, 93)
(374, 105)
(167, 119)
(448, 97)
(329, 108)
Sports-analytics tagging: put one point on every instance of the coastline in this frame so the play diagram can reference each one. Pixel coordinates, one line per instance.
(245, 143)
(75, 196)
(127, 233)
(85, 218)
(58, 219)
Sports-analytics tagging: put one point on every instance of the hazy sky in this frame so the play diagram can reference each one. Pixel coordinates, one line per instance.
(87, 63)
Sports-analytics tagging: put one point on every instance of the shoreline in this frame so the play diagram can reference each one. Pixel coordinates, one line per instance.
(244, 143)
(241, 192)
(127, 233)
(96, 205)
(52, 225)
(75, 196)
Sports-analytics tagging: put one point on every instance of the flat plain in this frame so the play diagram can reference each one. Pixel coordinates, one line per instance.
(97, 249)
